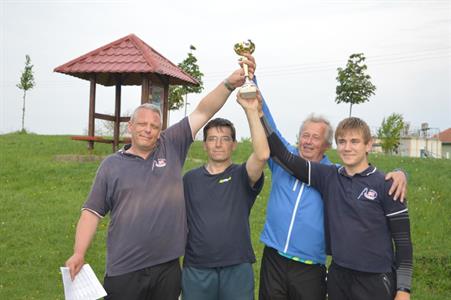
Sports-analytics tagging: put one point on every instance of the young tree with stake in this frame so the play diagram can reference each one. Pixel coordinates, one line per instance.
(354, 85)
(26, 83)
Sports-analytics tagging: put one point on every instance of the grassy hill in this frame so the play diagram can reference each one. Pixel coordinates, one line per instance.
(44, 181)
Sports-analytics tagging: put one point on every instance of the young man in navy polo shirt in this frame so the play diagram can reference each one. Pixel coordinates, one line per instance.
(363, 219)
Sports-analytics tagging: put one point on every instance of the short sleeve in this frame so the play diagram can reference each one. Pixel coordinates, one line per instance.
(180, 136)
(97, 198)
(390, 206)
(319, 174)
(256, 188)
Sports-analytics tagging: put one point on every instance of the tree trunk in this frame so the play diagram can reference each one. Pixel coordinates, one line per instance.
(23, 111)
(350, 110)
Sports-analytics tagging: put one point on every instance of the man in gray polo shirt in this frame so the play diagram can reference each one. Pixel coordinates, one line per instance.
(141, 187)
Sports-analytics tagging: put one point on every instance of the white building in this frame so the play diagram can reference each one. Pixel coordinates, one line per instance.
(419, 143)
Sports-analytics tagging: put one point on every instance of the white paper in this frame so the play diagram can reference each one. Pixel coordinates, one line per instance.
(85, 286)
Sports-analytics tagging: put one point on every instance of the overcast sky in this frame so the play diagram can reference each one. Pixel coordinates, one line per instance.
(299, 46)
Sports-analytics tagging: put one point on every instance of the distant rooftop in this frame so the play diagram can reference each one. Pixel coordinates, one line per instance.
(445, 136)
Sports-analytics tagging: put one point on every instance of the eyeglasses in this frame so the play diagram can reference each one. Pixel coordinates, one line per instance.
(223, 139)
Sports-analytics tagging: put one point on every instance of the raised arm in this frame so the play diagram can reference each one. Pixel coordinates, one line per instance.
(214, 100)
(257, 159)
(269, 117)
(293, 164)
(86, 229)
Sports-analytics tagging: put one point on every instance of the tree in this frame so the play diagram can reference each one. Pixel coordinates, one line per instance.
(26, 83)
(354, 85)
(390, 132)
(176, 93)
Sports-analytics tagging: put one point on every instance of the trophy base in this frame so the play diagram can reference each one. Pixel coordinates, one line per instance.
(248, 91)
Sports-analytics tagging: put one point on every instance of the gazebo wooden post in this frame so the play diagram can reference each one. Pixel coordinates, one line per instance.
(145, 88)
(150, 98)
(92, 109)
(165, 105)
(117, 113)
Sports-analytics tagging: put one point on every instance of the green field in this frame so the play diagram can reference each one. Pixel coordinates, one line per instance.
(44, 181)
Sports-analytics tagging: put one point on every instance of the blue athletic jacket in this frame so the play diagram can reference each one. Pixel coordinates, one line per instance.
(295, 216)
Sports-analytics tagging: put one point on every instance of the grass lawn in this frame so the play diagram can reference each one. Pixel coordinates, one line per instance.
(44, 181)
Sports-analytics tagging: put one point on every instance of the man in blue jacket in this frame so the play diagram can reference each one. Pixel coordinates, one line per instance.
(294, 257)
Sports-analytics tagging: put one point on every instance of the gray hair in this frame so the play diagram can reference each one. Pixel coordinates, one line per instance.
(148, 106)
(319, 119)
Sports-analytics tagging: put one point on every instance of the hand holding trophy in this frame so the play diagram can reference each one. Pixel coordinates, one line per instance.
(249, 89)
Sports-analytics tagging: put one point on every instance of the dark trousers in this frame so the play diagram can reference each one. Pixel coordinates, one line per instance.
(285, 279)
(347, 284)
(160, 282)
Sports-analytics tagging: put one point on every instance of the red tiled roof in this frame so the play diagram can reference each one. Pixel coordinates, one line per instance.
(128, 55)
(445, 136)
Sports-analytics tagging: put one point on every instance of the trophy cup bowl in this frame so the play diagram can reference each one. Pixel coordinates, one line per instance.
(244, 47)
(249, 89)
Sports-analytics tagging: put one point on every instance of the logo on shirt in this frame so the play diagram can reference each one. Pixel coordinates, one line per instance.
(368, 194)
(159, 163)
(225, 179)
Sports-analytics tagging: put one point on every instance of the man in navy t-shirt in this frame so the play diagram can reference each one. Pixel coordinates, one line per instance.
(219, 197)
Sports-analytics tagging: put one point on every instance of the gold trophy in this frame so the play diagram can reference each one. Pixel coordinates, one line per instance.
(249, 89)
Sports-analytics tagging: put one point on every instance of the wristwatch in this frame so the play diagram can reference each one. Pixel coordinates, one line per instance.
(228, 85)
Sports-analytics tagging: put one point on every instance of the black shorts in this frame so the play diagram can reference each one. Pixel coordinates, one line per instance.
(282, 278)
(160, 282)
(343, 284)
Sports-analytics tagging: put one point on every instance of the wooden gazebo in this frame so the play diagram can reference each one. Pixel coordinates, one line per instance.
(127, 61)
